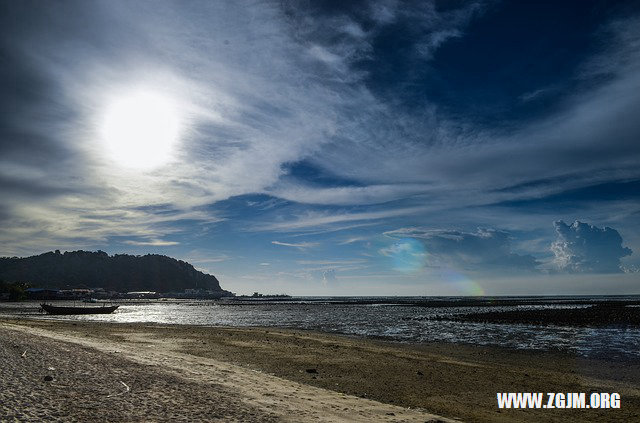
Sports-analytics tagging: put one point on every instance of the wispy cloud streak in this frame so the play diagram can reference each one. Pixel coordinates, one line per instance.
(299, 245)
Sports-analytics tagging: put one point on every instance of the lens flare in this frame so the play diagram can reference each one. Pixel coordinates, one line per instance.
(409, 255)
(462, 283)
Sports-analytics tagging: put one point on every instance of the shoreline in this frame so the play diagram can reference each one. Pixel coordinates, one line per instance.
(453, 380)
(563, 353)
(584, 329)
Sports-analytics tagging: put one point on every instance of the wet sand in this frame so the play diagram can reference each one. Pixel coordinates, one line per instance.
(143, 372)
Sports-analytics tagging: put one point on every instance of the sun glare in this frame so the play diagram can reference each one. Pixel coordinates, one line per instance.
(140, 130)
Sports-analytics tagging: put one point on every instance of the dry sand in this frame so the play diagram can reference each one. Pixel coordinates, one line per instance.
(136, 372)
(145, 376)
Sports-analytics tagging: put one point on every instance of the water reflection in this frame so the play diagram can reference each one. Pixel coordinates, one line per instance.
(397, 322)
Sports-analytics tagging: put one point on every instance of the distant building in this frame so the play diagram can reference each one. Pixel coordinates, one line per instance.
(142, 294)
(42, 293)
(73, 294)
(199, 293)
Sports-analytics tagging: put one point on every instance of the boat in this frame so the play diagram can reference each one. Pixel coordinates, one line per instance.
(51, 309)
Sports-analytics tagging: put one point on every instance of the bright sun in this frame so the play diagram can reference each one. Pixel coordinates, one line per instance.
(140, 129)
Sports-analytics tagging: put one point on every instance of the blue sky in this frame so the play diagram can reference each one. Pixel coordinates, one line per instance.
(330, 148)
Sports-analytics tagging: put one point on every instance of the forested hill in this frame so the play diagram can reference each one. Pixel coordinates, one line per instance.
(120, 272)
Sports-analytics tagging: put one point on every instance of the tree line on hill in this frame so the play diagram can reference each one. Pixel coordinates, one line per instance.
(120, 272)
(14, 291)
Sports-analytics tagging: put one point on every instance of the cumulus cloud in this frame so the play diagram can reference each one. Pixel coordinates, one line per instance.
(328, 276)
(584, 248)
(483, 250)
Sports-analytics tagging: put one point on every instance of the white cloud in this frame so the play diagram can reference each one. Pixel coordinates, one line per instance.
(328, 276)
(313, 220)
(383, 12)
(484, 250)
(341, 196)
(274, 93)
(152, 243)
(536, 94)
(584, 248)
(331, 262)
(299, 245)
(251, 105)
(581, 144)
(353, 239)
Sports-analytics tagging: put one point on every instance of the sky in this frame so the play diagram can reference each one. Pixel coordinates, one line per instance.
(328, 147)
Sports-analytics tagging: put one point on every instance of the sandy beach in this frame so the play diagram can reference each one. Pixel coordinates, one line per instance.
(144, 372)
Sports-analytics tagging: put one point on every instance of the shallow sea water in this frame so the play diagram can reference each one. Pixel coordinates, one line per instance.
(403, 322)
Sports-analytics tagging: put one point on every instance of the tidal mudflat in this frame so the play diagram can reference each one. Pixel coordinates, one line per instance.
(144, 371)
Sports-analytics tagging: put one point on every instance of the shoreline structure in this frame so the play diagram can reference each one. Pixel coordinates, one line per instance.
(158, 372)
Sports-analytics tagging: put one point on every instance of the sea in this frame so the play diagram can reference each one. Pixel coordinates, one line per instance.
(400, 319)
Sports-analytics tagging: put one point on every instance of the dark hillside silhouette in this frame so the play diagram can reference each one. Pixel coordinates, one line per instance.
(120, 272)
